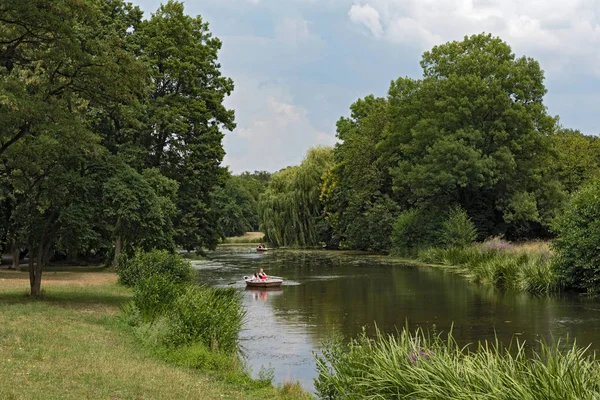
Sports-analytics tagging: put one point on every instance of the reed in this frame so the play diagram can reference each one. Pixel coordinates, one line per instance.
(418, 365)
(501, 264)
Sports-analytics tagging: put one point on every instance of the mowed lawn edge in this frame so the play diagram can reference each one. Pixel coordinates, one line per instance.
(71, 344)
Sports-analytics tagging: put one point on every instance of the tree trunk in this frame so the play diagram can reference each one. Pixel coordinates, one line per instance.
(118, 248)
(16, 254)
(31, 267)
(36, 283)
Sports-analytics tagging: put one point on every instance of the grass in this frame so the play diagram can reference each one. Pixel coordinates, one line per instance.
(524, 267)
(73, 344)
(422, 366)
(248, 237)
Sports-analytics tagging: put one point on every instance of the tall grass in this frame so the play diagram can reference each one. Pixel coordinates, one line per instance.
(501, 264)
(169, 310)
(422, 366)
(243, 239)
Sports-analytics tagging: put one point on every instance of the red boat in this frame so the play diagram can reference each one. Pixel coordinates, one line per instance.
(261, 249)
(263, 283)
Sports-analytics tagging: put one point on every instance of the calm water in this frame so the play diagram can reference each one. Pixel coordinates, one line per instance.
(329, 292)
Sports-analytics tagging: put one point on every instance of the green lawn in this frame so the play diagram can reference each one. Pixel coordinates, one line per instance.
(72, 345)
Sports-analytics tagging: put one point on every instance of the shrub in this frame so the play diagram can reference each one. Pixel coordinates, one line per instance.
(146, 264)
(458, 230)
(208, 315)
(414, 229)
(577, 253)
(155, 294)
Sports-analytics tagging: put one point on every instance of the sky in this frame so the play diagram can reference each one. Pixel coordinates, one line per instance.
(298, 65)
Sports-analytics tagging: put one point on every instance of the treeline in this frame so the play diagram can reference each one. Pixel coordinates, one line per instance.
(467, 151)
(236, 203)
(110, 131)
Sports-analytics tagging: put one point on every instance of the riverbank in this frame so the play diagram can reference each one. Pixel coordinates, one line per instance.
(522, 267)
(73, 344)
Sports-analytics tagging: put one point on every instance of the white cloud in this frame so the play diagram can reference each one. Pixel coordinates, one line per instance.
(367, 15)
(561, 34)
(273, 132)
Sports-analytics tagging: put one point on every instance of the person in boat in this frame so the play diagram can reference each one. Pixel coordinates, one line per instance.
(255, 277)
(262, 275)
(261, 246)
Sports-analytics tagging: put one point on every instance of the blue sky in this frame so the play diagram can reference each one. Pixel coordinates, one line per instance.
(299, 64)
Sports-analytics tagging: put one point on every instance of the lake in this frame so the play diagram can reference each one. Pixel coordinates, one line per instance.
(329, 293)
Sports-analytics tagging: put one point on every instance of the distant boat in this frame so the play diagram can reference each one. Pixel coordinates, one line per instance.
(261, 249)
(263, 283)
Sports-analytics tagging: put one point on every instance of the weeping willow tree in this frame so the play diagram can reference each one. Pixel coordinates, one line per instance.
(290, 211)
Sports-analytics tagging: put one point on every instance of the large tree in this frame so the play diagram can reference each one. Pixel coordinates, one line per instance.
(355, 194)
(290, 210)
(474, 132)
(58, 61)
(185, 116)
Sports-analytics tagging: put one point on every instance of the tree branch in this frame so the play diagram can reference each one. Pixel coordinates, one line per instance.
(22, 132)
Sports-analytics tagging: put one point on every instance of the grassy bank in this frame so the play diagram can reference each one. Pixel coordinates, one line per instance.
(73, 344)
(248, 237)
(419, 366)
(524, 267)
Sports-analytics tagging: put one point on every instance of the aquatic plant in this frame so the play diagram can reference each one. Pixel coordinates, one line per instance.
(500, 264)
(417, 365)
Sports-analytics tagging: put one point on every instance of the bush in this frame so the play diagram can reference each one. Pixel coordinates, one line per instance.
(414, 229)
(577, 250)
(458, 230)
(207, 315)
(146, 264)
(155, 294)
(421, 366)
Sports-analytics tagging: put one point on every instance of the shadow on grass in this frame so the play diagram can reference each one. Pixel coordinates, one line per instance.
(66, 268)
(82, 298)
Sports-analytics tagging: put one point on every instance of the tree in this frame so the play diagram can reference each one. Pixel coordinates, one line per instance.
(184, 116)
(356, 201)
(236, 208)
(577, 256)
(57, 59)
(577, 158)
(290, 211)
(474, 132)
(140, 208)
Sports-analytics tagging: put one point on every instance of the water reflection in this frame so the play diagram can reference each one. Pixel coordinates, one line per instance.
(340, 292)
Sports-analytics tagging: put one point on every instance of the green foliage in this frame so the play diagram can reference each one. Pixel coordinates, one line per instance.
(474, 131)
(424, 366)
(413, 230)
(141, 207)
(111, 128)
(577, 158)
(155, 294)
(356, 204)
(185, 115)
(147, 265)
(577, 259)
(290, 208)
(210, 316)
(500, 266)
(170, 311)
(458, 229)
(236, 207)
